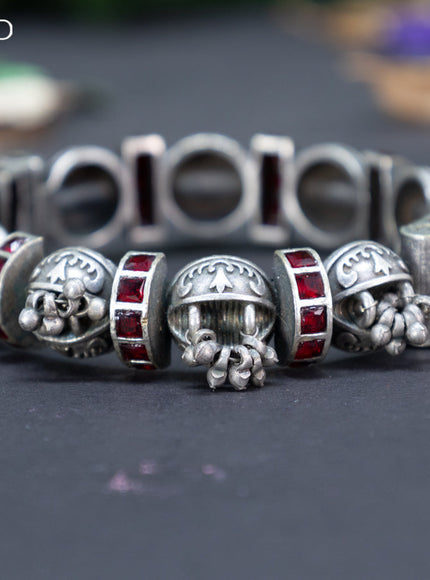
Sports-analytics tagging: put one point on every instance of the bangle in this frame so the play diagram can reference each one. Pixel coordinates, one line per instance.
(207, 188)
(221, 310)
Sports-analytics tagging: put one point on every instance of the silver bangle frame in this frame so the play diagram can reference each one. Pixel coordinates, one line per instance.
(29, 186)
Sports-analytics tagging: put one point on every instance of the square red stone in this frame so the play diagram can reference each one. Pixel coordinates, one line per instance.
(131, 290)
(139, 263)
(13, 244)
(310, 285)
(128, 324)
(131, 352)
(301, 259)
(309, 349)
(313, 319)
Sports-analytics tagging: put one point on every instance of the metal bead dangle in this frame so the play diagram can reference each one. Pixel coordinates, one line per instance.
(67, 306)
(373, 300)
(222, 313)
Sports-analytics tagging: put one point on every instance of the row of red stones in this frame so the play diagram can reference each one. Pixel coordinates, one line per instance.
(131, 290)
(10, 247)
(313, 319)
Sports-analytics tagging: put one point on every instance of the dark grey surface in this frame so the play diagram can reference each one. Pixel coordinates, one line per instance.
(107, 473)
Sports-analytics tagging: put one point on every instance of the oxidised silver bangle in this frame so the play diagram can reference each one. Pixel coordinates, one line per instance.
(207, 187)
(222, 311)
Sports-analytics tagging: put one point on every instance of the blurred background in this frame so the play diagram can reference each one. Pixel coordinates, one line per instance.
(97, 66)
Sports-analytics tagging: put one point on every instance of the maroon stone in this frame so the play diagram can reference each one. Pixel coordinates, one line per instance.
(131, 352)
(313, 319)
(13, 244)
(131, 289)
(2, 263)
(3, 335)
(141, 263)
(310, 285)
(301, 259)
(128, 324)
(270, 186)
(309, 349)
(146, 367)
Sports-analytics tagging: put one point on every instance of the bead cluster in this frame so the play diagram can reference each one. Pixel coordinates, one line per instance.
(222, 311)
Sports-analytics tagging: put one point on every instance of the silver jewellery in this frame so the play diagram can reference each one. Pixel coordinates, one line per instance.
(222, 311)
(207, 187)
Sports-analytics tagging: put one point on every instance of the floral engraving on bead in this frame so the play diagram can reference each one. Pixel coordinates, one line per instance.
(375, 305)
(67, 303)
(222, 314)
(374, 258)
(223, 269)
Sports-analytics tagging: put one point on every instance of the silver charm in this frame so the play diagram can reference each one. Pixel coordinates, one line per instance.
(67, 305)
(137, 311)
(415, 241)
(373, 300)
(304, 300)
(221, 312)
(19, 254)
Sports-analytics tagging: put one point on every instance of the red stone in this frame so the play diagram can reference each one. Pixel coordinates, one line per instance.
(13, 244)
(300, 259)
(140, 263)
(131, 289)
(2, 263)
(309, 349)
(270, 186)
(128, 324)
(146, 367)
(3, 335)
(310, 285)
(131, 352)
(313, 319)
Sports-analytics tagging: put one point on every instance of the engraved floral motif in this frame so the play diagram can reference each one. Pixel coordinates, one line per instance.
(379, 261)
(224, 276)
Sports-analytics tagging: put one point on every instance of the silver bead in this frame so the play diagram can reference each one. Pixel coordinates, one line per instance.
(67, 302)
(221, 312)
(19, 254)
(304, 329)
(376, 279)
(137, 311)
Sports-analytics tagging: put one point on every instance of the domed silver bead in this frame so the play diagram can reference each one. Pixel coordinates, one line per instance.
(373, 300)
(67, 305)
(222, 313)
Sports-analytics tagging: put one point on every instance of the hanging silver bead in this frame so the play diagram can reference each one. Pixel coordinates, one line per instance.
(373, 300)
(221, 313)
(67, 305)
